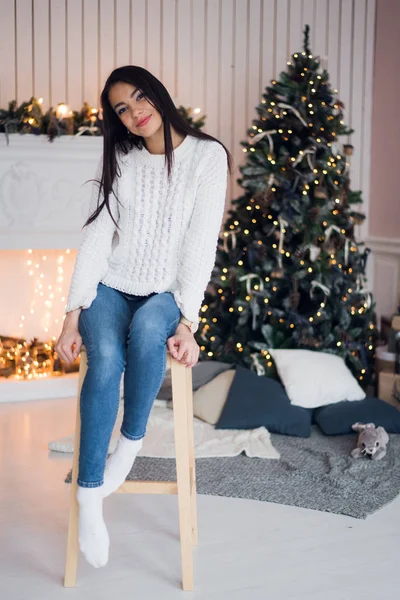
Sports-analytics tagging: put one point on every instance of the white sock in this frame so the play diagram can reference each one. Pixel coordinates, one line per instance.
(94, 540)
(119, 464)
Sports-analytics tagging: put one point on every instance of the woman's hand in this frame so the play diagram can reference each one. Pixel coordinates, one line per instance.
(69, 343)
(183, 347)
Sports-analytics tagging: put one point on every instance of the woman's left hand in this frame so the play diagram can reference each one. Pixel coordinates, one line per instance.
(183, 347)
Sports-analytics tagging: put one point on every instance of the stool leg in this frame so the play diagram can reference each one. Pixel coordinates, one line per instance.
(180, 402)
(192, 460)
(71, 563)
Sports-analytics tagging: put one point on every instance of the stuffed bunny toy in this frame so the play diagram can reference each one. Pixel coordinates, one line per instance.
(371, 441)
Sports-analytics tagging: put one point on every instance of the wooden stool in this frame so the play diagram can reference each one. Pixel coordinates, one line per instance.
(185, 486)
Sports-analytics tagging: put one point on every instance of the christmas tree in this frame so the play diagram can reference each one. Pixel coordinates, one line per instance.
(289, 272)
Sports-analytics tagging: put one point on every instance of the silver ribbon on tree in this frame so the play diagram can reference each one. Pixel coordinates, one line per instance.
(256, 138)
(296, 112)
(256, 365)
(254, 306)
(324, 288)
(271, 179)
(346, 251)
(282, 225)
(255, 310)
(337, 148)
(314, 252)
(365, 291)
(328, 232)
(203, 335)
(307, 152)
(247, 278)
(231, 232)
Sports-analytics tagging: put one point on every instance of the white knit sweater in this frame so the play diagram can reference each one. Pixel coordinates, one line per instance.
(168, 230)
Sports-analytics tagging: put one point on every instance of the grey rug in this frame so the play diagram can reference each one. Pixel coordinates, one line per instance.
(315, 473)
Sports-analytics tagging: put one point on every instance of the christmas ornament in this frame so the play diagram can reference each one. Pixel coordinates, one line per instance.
(308, 341)
(277, 233)
(357, 218)
(363, 259)
(313, 213)
(277, 273)
(348, 149)
(320, 192)
(233, 279)
(295, 295)
(262, 252)
(343, 198)
(265, 198)
(314, 250)
(300, 251)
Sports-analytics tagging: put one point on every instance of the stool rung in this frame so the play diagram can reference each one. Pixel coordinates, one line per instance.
(148, 487)
(154, 487)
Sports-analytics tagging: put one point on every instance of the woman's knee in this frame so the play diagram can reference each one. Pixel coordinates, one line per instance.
(159, 313)
(107, 358)
(154, 324)
(106, 318)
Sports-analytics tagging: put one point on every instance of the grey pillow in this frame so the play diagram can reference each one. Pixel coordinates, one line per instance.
(202, 373)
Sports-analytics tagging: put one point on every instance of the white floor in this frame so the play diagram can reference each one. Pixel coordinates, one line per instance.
(247, 549)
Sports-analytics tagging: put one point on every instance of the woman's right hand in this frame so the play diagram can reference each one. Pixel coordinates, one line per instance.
(69, 344)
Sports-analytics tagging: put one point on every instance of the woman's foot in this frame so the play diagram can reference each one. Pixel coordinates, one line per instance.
(94, 540)
(119, 464)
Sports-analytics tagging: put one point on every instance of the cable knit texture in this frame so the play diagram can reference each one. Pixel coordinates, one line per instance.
(169, 230)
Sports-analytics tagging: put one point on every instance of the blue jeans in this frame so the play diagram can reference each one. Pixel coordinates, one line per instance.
(126, 334)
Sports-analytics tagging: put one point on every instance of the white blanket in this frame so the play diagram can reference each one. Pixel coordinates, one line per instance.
(209, 442)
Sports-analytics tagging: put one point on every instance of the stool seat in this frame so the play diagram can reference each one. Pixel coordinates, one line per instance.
(184, 486)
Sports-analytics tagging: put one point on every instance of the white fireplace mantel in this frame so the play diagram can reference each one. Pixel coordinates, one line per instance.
(44, 200)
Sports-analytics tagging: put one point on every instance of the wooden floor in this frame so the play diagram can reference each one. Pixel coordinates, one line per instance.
(247, 549)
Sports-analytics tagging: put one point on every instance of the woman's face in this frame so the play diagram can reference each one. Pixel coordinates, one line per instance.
(133, 109)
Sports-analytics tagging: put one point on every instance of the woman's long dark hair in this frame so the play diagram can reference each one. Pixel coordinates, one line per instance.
(116, 136)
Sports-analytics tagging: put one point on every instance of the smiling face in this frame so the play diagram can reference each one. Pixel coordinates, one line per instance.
(134, 110)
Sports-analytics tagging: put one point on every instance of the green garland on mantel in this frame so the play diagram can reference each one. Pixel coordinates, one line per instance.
(61, 120)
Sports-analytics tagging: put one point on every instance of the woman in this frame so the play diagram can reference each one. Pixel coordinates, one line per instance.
(141, 271)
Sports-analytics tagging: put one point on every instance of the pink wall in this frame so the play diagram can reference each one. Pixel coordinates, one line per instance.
(384, 216)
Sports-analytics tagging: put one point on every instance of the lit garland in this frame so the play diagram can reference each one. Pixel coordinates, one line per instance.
(28, 118)
(20, 359)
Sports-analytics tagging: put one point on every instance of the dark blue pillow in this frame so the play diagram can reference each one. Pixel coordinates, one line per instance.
(255, 401)
(337, 419)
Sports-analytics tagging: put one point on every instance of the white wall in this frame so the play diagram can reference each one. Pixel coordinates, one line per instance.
(214, 54)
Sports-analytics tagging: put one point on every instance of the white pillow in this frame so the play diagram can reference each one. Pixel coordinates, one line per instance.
(313, 378)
